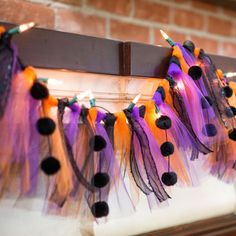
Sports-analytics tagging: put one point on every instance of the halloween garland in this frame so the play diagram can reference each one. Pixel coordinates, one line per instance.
(91, 158)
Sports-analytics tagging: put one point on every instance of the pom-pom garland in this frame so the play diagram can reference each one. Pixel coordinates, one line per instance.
(232, 134)
(164, 122)
(195, 72)
(209, 130)
(50, 165)
(230, 111)
(97, 180)
(46, 126)
(227, 91)
(100, 179)
(189, 45)
(97, 143)
(167, 148)
(169, 178)
(233, 110)
(100, 209)
(39, 91)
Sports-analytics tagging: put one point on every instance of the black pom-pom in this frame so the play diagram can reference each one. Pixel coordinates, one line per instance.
(97, 143)
(227, 91)
(162, 92)
(164, 122)
(100, 179)
(39, 91)
(50, 165)
(169, 178)
(206, 102)
(232, 134)
(45, 126)
(189, 45)
(209, 130)
(100, 209)
(142, 111)
(233, 109)
(167, 148)
(195, 72)
(230, 111)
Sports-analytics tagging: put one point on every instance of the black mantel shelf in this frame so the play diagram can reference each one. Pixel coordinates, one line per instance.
(52, 49)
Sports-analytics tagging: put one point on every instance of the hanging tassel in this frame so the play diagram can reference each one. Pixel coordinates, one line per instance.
(145, 168)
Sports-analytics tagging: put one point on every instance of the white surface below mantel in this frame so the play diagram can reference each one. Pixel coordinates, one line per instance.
(212, 198)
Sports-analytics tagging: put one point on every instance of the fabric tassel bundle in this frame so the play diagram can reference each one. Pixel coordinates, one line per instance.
(186, 99)
(176, 143)
(96, 173)
(222, 161)
(146, 161)
(18, 115)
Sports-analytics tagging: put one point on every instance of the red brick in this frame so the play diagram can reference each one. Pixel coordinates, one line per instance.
(70, 2)
(175, 36)
(19, 11)
(121, 7)
(76, 22)
(188, 19)
(229, 49)
(230, 13)
(129, 32)
(151, 11)
(234, 30)
(209, 45)
(182, 1)
(220, 26)
(205, 6)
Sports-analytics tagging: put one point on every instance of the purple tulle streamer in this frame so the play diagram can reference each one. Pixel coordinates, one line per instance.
(147, 163)
(107, 163)
(186, 144)
(191, 97)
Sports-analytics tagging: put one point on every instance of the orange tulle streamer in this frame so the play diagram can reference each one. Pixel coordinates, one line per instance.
(62, 181)
(177, 53)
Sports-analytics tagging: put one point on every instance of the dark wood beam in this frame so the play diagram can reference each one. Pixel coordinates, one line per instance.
(218, 226)
(59, 50)
(152, 61)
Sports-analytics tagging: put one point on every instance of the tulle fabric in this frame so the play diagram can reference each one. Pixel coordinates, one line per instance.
(166, 87)
(122, 139)
(19, 144)
(181, 161)
(187, 100)
(222, 160)
(60, 184)
(232, 99)
(147, 163)
(107, 163)
(86, 163)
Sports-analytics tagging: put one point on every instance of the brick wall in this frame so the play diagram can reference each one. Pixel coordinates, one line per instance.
(210, 27)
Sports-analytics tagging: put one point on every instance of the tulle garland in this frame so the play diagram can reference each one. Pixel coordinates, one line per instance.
(206, 77)
(91, 162)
